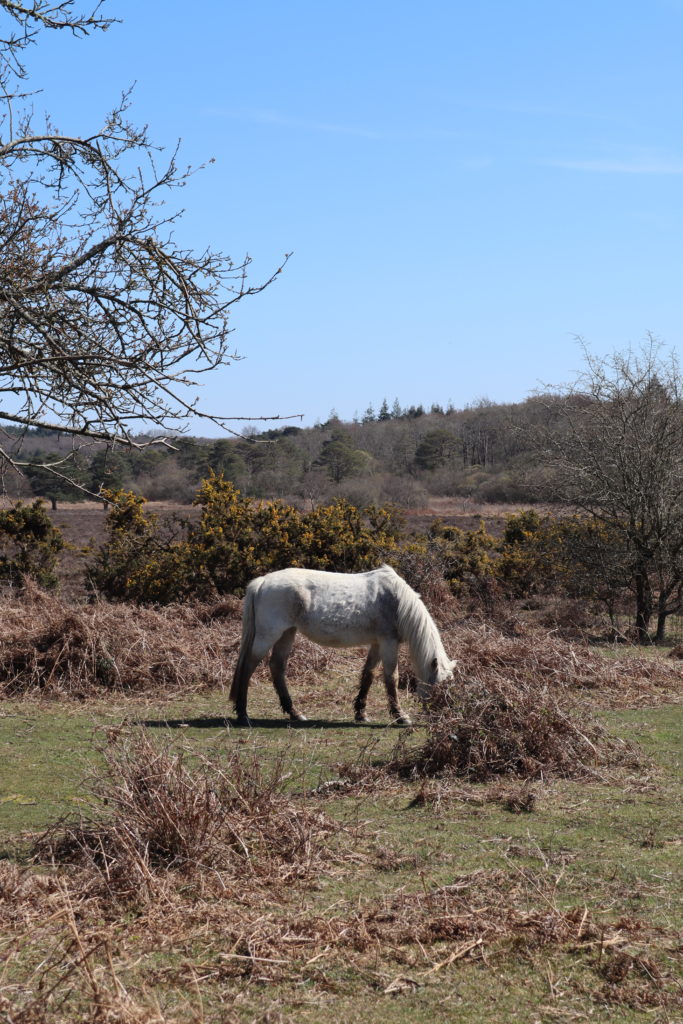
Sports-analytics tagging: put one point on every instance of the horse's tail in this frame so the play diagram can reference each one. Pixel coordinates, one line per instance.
(240, 678)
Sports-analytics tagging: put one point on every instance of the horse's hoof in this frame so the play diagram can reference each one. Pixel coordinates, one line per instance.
(243, 722)
(296, 716)
(402, 720)
(362, 718)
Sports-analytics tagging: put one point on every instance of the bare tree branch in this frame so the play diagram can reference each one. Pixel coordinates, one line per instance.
(615, 451)
(106, 322)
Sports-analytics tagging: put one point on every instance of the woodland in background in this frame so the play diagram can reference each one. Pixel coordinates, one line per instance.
(400, 456)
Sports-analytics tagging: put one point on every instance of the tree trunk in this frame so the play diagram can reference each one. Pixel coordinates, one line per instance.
(665, 607)
(660, 635)
(643, 607)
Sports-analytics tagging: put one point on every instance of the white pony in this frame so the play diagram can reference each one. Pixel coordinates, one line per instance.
(338, 610)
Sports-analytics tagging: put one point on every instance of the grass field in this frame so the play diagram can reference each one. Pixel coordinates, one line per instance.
(393, 899)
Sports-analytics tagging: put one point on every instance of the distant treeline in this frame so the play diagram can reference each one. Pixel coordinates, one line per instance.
(395, 455)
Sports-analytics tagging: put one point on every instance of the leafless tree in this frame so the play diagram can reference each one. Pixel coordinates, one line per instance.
(106, 322)
(617, 454)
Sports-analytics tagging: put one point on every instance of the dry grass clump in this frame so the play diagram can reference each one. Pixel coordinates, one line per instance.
(518, 796)
(482, 912)
(396, 942)
(634, 980)
(525, 654)
(25, 895)
(488, 907)
(509, 712)
(228, 820)
(57, 649)
(76, 972)
(478, 914)
(490, 726)
(54, 648)
(531, 656)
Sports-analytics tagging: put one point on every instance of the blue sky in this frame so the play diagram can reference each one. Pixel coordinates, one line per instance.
(464, 187)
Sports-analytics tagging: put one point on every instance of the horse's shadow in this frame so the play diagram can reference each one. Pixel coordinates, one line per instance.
(258, 723)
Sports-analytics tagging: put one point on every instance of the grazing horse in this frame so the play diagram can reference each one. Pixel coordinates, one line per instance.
(338, 609)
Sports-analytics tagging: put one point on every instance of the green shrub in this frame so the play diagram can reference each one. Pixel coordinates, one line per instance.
(29, 545)
(234, 540)
(140, 560)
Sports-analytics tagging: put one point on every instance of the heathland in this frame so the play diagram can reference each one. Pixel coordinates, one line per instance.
(513, 856)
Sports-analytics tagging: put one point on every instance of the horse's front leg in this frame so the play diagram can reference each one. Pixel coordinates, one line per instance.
(365, 684)
(389, 654)
(278, 667)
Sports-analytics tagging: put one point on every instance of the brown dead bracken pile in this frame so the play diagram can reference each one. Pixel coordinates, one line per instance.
(54, 648)
(513, 710)
(482, 729)
(58, 649)
(397, 942)
(230, 819)
(527, 654)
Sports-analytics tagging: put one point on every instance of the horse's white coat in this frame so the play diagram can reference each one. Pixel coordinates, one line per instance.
(375, 608)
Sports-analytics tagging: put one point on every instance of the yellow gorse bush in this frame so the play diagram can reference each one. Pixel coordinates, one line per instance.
(235, 539)
(29, 544)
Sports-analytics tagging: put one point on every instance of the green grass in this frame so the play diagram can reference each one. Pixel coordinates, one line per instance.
(44, 750)
(613, 847)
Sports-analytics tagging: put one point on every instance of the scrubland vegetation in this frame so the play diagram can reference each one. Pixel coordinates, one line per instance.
(605, 454)
(511, 858)
(514, 857)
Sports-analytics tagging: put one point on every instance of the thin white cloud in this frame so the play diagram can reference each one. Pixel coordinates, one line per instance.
(278, 120)
(285, 121)
(628, 165)
(523, 108)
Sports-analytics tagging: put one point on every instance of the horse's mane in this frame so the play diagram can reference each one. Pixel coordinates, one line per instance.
(417, 628)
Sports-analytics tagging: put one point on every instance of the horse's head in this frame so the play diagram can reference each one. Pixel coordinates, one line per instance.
(440, 671)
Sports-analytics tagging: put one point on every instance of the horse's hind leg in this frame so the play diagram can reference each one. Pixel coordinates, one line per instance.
(365, 684)
(389, 653)
(247, 665)
(245, 670)
(278, 666)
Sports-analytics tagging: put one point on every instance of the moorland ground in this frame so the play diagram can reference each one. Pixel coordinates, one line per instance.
(337, 888)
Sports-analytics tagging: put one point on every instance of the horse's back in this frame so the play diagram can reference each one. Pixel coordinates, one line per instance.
(331, 608)
(325, 577)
